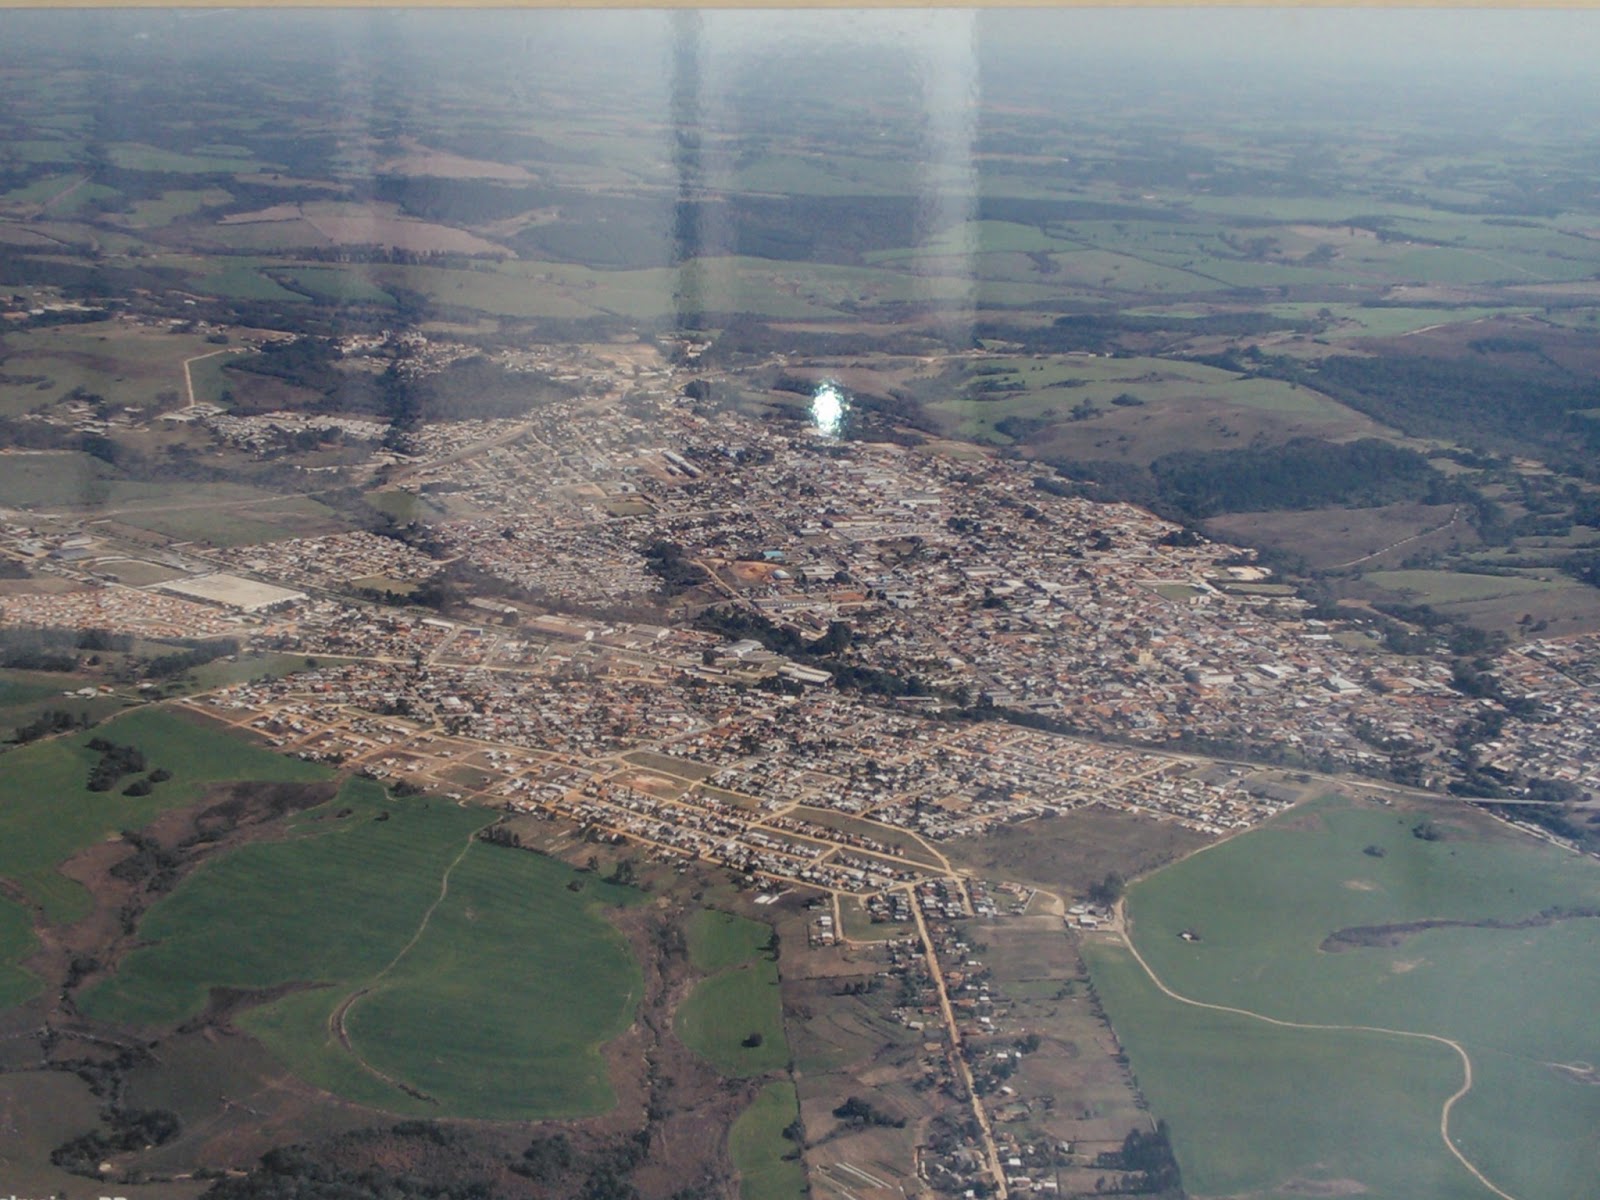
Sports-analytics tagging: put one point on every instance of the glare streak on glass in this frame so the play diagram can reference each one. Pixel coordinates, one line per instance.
(828, 409)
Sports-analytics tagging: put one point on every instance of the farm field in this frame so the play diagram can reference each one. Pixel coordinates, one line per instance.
(1135, 409)
(445, 962)
(131, 366)
(1494, 601)
(47, 813)
(170, 206)
(16, 943)
(740, 1003)
(1334, 539)
(1502, 934)
(67, 479)
(20, 704)
(1304, 1111)
(758, 1148)
(1454, 587)
(718, 940)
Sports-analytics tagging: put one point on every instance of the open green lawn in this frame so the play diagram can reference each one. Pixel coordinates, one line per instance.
(758, 1148)
(211, 526)
(250, 665)
(169, 206)
(475, 975)
(336, 284)
(18, 688)
(495, 290)
(502, 1008)
(730, 1008)
(1517, 999)
(1051, 388)
(27, 695)
(47, 812)
(64, 479)
(718, 940)
(1356, 320)
(16, 943)
(237, 280)
(133, 156)
(131, 367)
(740, 1002)
(1271, 1112)
(1453, 587)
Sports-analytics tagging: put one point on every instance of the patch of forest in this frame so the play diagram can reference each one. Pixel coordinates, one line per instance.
(1302, 473)
(1473, 400)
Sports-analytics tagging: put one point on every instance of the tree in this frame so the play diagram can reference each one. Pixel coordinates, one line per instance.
(1108, 891)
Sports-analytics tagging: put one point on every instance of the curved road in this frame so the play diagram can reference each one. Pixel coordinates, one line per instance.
(336, 1022)
(1444, 1113)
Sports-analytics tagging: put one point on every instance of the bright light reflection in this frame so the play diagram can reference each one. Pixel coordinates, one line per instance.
(827, 410)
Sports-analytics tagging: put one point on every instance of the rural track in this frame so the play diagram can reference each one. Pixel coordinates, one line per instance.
(1454, 516)
(336, 1021)
(1444, 1113)
(188, 379)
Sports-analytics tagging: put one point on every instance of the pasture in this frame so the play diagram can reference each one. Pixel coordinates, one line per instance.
(733, 1018)
(131, 366)
(66, 479)
(132, 156)
(1069, 405)
(26, 695)
(718, 940)
(1284, 1113)
(1493, 601)
(1512, 944)
(401, 959)
(1456, 587)
(16, 943)
(47, 812)
(170, 206)
(1330, 539)
(758, 1148)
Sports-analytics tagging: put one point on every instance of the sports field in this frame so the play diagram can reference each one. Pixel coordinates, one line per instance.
(733, 1018)
(1508, 977)
(758, 1148)
(417, 969)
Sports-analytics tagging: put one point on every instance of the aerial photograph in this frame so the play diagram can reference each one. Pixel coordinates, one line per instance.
(694, 604)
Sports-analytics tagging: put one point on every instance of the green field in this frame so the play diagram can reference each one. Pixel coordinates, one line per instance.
(336, 285)
(47, 813)
(471, 974)
(247, 666)
(132, 156)
(1051, 388)
(20, 688)
(718, 940)
(1516, 1000)
(237, 280)
(758, 1148)
(212, 526)
(740, 1003)
(25, 695)
(169, 206)
(131, 367)
(16, 943)
(58, 479)
(1273, 1113)
(1455, 587)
